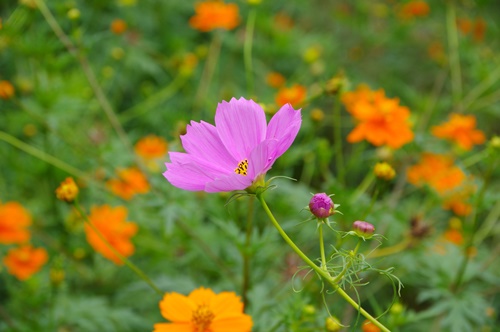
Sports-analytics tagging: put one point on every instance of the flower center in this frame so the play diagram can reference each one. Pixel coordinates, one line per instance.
(201, 319)
(242, 167)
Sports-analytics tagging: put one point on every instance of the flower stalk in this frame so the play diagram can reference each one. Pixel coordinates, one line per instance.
(320, 271)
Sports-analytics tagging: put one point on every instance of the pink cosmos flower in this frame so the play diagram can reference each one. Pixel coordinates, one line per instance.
(236, 152)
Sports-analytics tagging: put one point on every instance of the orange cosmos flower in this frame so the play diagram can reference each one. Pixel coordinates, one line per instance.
(151, 147)
(275, 79)
(417, 8)
(381, 120)
(212, 15)
(6, 90)
(458, 200)
(130, 181)
(460, 129)
(294, 95)
(118, 26)
(112, 225)
(25, 261)
(14, 223)
(203, 311)
(437, 171)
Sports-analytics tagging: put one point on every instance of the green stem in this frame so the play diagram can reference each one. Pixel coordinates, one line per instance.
(87, 70)
(455, 71)
(208, 70)
(49, 159)
(247, 254)
(322, 248)
(127, 262)
(337, 116)
(316, 268)
(363, 186)
(247, 50)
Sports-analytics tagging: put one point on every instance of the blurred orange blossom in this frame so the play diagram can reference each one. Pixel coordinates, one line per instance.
(14, 223)
(112, 225)
(23, 262)
(380, 120)
(211, 15)
(460, 129)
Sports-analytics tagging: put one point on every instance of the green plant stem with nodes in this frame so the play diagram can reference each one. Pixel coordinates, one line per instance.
(322, 247)
(87, 70)
(127, 262)
(247, 50)
(322, 273)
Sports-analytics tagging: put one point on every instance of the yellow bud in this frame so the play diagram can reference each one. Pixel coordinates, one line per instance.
(455, 223)
(117, 53)
(309, 309)
(317, 115)
(384, 171)
(73, 14)
(397, 308)
(332, 324)
(67, 190)
(495, 142)
(79, 253)
(312, 54)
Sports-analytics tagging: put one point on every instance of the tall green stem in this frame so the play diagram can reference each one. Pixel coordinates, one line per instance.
(316, 268)
(456, 73)
(127, 262)
(337, 116)
(247, 50)
(322, 248)
(247, 253)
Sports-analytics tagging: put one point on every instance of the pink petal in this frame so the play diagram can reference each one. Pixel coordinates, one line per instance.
(202, 141)
(284, 127)
(229, 183)
(262, 158)
(241, 125)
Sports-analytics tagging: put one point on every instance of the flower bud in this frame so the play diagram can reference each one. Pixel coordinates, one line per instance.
(332, 324)
(384, 171)
(363, 229)
(321, 206)
(67, 190)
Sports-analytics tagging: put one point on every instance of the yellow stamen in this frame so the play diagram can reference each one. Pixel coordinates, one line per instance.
(202, 318)
(242, 167)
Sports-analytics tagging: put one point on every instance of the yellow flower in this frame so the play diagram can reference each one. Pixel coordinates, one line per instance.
(384, 171)
(203, 311)
(67, 190)
(461, 130)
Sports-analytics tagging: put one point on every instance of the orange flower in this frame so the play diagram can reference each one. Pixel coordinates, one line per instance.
(6, 90)
(479, 29)
(151, 147)
(275, 79)
(381, 120)
(25, 261)
(118, 26)
(461, 130)
(14, 223)
(130, 181)
(464, 25)
(416, 8)
(369, 327)
(212, 15)
(67, 190)
(203, 311)
(457, 200)
(437, 171)
(112, 225)
(454, 236)
(294, 95)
